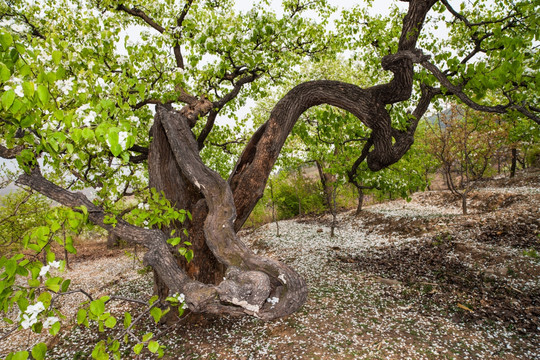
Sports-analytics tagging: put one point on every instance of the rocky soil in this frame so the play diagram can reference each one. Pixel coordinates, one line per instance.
(404, 280)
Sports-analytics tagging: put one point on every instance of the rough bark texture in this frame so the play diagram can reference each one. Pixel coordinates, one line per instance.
(166, 175)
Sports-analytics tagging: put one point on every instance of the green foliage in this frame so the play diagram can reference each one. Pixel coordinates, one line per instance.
(20, 212)
(295, 193)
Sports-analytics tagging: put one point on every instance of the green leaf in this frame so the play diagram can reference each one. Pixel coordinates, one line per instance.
(115, 346)
(87, 133)
(147, 336)
(7, 99)
(43, 94)
(55, 328)
(127, 320)
(81, 316)
(153, 346)
(110, 322)
(34, 282)
(28, 88)
(6, 40)
(71, 249)
(156, 314)
(138, 348)
(27, 121)
(97, 307)
(153, 299)
(21, 355)
(5, 74)
(189, 255)
(52, 284)
(65, 285)
(100, 351)
(57, 56)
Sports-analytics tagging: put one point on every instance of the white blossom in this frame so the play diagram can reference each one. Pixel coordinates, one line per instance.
(65, 86)
(31, 314)
(19, 90)
(103, 84)
(122, 139)
(50, 321)
(143, 206)
(87, 121)
(44, 270)
(28, 321)
(18, 27)
(55, 264)
(181, 299)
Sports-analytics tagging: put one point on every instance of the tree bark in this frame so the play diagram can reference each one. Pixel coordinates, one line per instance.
(514, 163)
(165, 175)
(464, 203)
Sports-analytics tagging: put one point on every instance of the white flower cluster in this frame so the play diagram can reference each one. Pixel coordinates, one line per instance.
(30, 316)
(45, 269)
(143, 206)
(181, 299)
(122, 138)
(65, 86)
(88, 118)
(50, 321)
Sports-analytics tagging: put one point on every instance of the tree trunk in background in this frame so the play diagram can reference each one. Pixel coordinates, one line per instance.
(514, 163)
(464, 203)
(334, 212)
(327, 185)
(112, 240)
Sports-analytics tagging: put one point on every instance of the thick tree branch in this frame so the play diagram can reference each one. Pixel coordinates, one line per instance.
(10, 153)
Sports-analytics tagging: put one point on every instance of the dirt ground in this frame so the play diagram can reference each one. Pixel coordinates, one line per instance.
(404, 280)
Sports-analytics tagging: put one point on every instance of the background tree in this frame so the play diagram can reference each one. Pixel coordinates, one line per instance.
(73, 103)
(465, 143)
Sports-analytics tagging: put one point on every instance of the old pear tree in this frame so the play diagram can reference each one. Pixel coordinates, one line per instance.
(87, 104)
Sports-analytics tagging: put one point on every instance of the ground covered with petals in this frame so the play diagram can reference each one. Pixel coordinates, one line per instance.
(403, 280)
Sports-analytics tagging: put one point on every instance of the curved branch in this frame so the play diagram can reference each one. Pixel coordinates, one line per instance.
(458, 91)
(142, 15)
